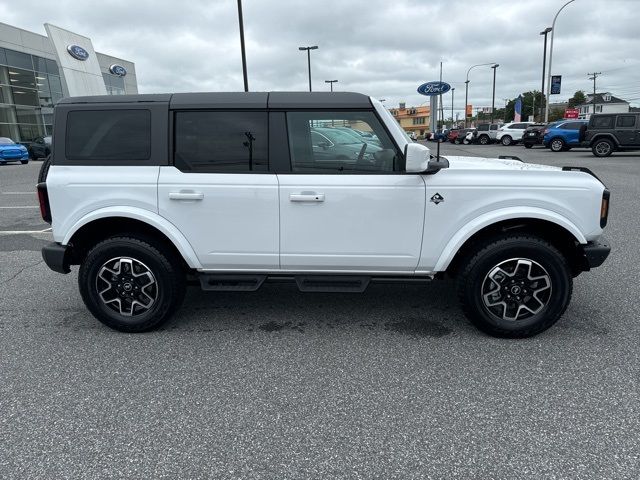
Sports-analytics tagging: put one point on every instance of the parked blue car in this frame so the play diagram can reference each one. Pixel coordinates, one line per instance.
(11, 151)
(563, 135)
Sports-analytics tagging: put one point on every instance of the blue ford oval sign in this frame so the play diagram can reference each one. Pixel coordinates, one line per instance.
(118, 70)
(433, 88)
(77, 52)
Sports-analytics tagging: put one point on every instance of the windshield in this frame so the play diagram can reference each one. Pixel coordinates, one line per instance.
(6, 141)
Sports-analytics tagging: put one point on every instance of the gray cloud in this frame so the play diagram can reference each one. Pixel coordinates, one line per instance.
(382, 48)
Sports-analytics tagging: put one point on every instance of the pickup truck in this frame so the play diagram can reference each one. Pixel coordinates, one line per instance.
(150, 193)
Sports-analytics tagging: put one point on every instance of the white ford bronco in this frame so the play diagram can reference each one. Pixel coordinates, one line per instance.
(148, 193)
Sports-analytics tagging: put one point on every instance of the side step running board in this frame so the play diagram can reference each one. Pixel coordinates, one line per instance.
(332, 283)
(229, 283)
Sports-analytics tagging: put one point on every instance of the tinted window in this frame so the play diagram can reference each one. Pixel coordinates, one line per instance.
(221, 141)
(571, 126)
(19, 59)
(336, 142)
(109, 135)
(601, 122)
(626, 121)
(494, 127)
(483, 128)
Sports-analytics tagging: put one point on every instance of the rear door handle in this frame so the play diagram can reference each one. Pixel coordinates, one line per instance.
(306, 197)
(186, 195)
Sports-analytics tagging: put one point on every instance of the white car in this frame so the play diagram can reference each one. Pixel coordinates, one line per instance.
(145, 192)
(511, 133)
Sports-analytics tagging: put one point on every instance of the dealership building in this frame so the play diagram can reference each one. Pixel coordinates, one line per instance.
(37, 70)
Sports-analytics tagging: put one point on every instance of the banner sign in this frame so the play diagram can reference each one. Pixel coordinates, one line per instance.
(556, 82)
(571, 113)
(469, 110)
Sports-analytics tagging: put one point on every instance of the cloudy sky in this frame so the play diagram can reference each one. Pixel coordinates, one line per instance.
(381, 48)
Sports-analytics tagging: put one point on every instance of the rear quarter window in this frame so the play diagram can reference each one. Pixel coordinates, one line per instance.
(108, 135)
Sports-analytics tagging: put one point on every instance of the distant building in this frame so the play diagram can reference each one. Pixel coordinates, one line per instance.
(412, 119)
(604, 102)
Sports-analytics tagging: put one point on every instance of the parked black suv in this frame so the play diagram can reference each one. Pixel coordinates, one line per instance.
(609, 132)
(533, 135)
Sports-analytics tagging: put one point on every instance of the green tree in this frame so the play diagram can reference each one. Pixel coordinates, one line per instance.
(578, 99)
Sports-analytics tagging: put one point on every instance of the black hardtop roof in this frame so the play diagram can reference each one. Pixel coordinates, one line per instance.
(235, 100)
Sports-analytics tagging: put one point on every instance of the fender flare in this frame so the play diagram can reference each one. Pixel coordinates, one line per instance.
(608, 136)
(490, 218)
(145, 216)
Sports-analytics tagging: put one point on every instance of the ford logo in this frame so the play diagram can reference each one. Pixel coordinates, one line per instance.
(118, 70)
(77, 52)
(433, 88)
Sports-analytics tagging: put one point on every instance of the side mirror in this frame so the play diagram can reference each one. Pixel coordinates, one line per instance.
(323, 145)
(418, 160)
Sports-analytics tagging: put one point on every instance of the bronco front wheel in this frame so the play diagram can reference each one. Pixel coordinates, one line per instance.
(515, 286)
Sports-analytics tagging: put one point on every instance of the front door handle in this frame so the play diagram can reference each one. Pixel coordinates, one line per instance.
(306, 197)
(186, 195)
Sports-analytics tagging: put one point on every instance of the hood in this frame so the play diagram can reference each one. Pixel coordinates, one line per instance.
(13, 146)
(477, 163)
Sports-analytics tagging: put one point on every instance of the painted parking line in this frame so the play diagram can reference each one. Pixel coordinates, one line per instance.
(14, 207)
(24, 232)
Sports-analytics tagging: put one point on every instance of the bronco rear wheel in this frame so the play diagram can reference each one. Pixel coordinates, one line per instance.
(131, 285)
(515, 286)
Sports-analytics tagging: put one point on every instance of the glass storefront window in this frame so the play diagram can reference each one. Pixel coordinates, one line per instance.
(19, 59)
(25, 96)
(7, 114)
(56, 97)
(3, 57)
(30, 132)
(4, 76)
(28, 115)
(10, 131)
(22, 78)
(55, 83)
(52, 67)
(5, 95)
(39, 64)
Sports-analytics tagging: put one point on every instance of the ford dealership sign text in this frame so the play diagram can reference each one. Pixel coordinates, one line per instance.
(433, 88)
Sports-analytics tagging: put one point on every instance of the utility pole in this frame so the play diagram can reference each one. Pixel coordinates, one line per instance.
(595, 75)
(308, 49)
(493, 96)
(331, 82)
(452, 90)
(545, 32)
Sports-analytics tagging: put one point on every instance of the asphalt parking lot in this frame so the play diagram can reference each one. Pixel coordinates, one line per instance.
(392, 383)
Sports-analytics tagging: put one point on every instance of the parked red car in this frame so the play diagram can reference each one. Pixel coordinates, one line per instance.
(453, 134)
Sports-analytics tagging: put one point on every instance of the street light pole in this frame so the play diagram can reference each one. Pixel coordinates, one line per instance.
(466, 89)
(330, 82)
(244, 55)
(308, 49)
(493, 96)
(553, 31)
(545, 32)
(452, 92)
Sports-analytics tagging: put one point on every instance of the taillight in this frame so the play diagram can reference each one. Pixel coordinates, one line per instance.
(604, 208)
(43, 199)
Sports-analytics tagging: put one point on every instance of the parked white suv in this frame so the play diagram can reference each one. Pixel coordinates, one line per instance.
(511, 133)
(146, 192)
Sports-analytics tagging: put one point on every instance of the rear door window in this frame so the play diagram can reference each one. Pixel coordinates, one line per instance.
(221, 141)
(601, 122)
(98, 135)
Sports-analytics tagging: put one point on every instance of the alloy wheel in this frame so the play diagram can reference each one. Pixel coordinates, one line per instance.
(516, 289)
(126, 286)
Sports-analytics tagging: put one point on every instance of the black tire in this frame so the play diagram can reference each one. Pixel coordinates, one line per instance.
(602, 147)
(483, 140)
(24, 162)
(44, 169)
(557, 145)
(505, 250)
(506, 140)
(166, 293)
(528, 145)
